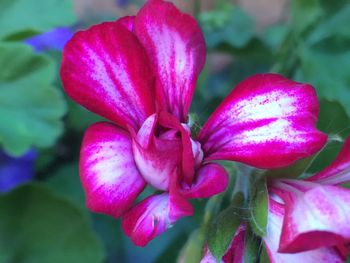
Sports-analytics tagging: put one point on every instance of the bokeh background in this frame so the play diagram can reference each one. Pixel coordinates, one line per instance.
(42, 212)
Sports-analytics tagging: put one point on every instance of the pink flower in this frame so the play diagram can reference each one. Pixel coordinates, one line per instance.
(140, 73)
(309, 219)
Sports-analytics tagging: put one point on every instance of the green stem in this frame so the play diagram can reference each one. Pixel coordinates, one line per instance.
(242, 183)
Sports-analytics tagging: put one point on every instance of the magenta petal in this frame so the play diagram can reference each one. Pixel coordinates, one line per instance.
(235, 253)
(163, 150)
(317, 218)
(211, 179)
(338, 171)
(127, 22)
(190, 152)
(153, 216)
(208, 256)
(176, 46)
(267, 121)
(157, 159)
(105, 69)
(271, 240)
(107, 169)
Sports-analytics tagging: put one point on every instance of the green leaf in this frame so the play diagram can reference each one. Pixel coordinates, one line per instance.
(333, 119)
(325, 57)
(325, 156)
(79, 118)
(38, 227)
(222, 229)
(66, 182)
(258, 201)
(111, 235)
(332, 25)
(227, 24)
(292, 171)
(264, 258)
(328, 72)
(22, 18)
(30, 108)
(304, 13)
(273, 36)
(193, 249)
(251, 248)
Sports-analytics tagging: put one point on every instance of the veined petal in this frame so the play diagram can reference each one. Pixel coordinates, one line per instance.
(316, 218)
(271, 240)
(338, 171)
(108, 171)
(106, 70)
(210, 179)
(176, 47)
(153, 216)
(267, 121)
(235, 252)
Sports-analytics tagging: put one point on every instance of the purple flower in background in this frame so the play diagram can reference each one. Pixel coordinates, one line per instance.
(121, 3)
(16, 171)
(54, 39)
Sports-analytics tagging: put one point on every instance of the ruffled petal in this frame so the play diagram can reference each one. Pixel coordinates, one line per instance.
(163, 150)
(338, 171)
(235, 252)
(267, 121)
(176, 46)
(211, 179)
(190, 149)
(108, 171)
(316, 218)
(157, 159)
(153, 216)
(271, 240)
(106, 70)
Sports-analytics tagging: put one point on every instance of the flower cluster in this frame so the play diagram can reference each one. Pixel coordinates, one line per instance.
(140, 73)
(308, 219)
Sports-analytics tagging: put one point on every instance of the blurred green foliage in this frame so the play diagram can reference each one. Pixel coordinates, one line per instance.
(31, 109)
(40, 223)
(37, 226)
(22, 18)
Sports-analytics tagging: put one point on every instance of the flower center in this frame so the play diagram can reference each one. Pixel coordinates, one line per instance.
(164, 151)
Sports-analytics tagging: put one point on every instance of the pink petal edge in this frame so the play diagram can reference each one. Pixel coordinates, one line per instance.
(316, 218)
(271, 240)
(210, 179)
(267, 121)
(153, 216)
